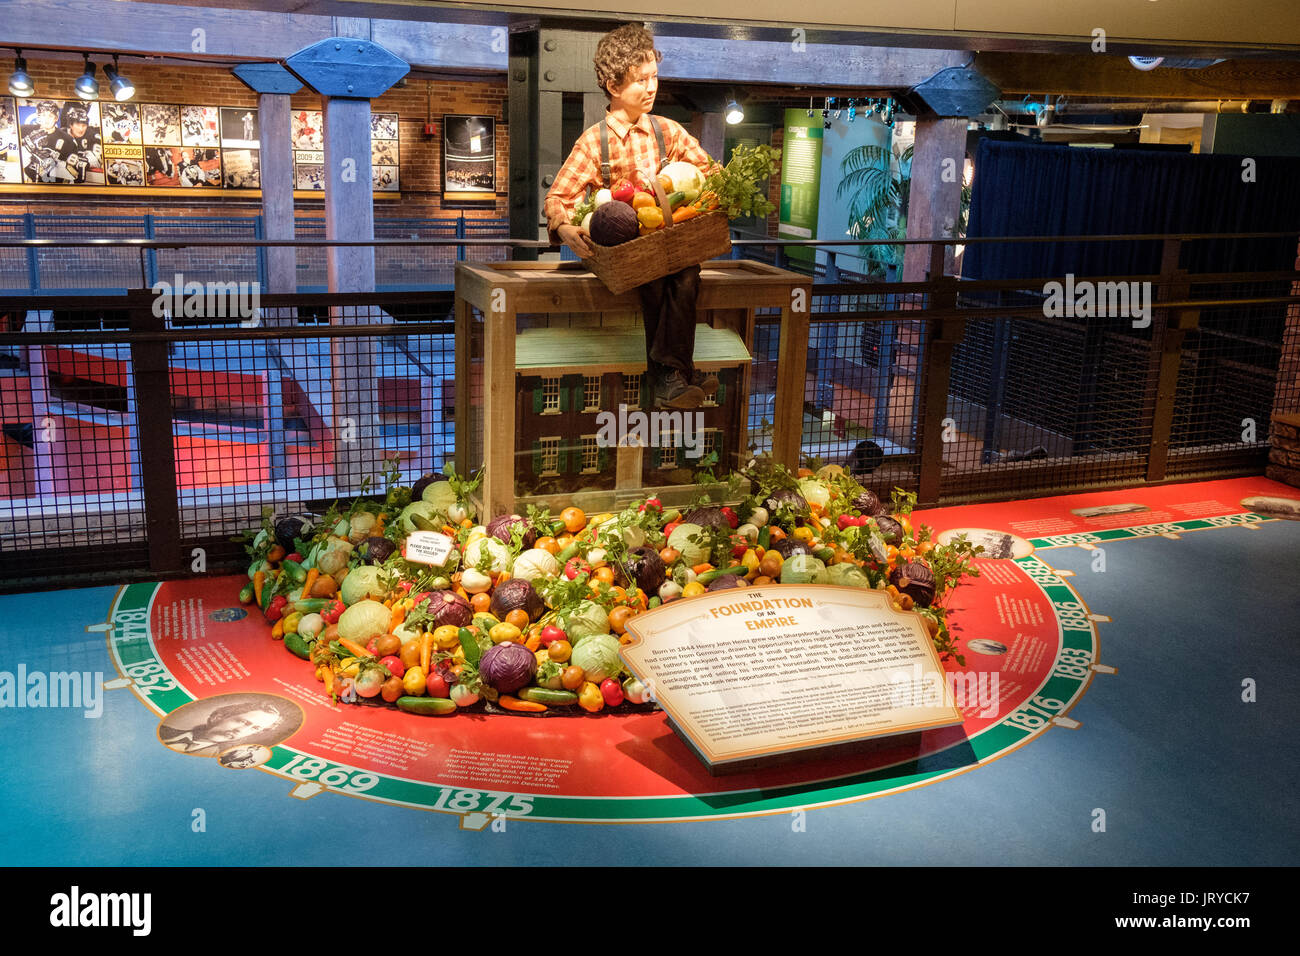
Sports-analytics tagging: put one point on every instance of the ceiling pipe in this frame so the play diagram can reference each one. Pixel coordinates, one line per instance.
(1061, 107)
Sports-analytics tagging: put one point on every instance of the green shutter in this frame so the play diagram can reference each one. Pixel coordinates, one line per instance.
(721, 397)
(646, 397)
(602, 458)
(537, 458)
(656, 458)
(564, 399)
(538, 400)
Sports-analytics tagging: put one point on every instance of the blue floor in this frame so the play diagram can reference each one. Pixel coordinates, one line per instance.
(1185, 772)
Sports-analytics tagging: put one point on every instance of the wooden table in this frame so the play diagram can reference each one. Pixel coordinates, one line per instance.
(730, 291)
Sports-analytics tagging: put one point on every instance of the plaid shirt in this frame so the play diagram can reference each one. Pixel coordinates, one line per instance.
(630, 147)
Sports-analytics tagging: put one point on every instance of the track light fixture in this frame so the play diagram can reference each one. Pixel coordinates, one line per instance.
(123, 89)
(20, 84)
(87, 86)
(733, 113)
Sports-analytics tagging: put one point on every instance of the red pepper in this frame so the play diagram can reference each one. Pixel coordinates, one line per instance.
(333, 612)
(654, 504)
(275, 610)
(669, 527)
(845, 521)
(294, 557)
(731, 517)
(623, 191)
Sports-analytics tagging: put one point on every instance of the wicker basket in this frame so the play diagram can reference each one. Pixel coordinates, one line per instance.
(663, 252)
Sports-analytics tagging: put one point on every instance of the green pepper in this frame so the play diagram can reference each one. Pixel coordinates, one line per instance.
(707, 576)
(268, 592)
(246, 593)
(469, 644)
(296, 645)
(297, 573)
(765, 537)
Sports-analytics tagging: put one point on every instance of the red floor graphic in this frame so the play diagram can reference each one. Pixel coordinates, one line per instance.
(1029, 644)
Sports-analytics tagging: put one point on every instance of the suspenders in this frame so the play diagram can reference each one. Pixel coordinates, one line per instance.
(606, 169)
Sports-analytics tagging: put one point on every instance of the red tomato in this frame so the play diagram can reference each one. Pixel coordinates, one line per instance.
(394, 665)
(437, 685)
(552, 633)
(576, 566)
(612, 691)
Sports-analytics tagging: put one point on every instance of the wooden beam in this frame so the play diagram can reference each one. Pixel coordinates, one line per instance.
(277, 190)
(1086, 74)
(766, 61)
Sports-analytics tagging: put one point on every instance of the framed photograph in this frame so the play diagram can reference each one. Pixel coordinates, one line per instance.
(60, 142)
(469, 164)
(161, 124)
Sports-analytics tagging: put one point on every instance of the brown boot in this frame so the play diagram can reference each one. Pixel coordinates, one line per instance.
(706, 382)
(673, 392)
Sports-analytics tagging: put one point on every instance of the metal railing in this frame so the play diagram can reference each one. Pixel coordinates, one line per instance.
(134, 443)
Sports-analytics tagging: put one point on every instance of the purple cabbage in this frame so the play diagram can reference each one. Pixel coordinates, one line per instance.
(516, 593)
(499, 528)
(448, 607)
(789, 547)
(507, 667)
(916, 580)
(646, 569)
(724, 582)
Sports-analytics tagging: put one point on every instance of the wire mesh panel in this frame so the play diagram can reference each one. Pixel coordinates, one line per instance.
(16, 265)
(236, 262)
(415, 266)
(487, 229)
(294, 421)
(70, 495)
(73, 268)
(1227, 383)
(313, 273)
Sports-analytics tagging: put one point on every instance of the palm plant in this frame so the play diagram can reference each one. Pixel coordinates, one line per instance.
(876, 183)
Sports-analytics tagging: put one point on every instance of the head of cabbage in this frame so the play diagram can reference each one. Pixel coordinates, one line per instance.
(584, 619)
(362, 582)
(598, 657)
(847, 575)
(803, 569)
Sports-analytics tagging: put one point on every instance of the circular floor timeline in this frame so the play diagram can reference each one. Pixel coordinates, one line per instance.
(198, 660)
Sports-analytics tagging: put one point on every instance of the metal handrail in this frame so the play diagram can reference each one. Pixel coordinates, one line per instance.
(545, 244)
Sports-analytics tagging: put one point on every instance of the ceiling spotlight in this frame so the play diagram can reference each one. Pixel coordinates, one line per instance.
(20, 84)
(87, 86)
(734, 114)
(123, 89)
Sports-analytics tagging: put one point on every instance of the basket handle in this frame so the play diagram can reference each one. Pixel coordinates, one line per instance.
(663, 199)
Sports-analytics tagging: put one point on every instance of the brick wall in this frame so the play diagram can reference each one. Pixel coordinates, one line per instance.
(420, 156)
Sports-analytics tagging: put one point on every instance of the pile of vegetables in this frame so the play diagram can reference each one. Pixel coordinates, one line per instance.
(529, 611)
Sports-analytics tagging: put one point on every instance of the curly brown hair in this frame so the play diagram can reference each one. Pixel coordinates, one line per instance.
(621, 51)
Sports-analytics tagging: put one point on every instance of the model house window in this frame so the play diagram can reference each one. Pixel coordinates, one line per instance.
(668, 449)
(710, 441)
(550, 395)
(632, 391)
(591, 393)
(590, 454)
(550, 448)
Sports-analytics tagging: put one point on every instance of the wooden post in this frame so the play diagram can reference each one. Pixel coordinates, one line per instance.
(712, 134)
(942, 337)
(1167, 333)
(791, 380)
(462, 369)
(933, 209)
(152, 382)
(499, 406)
(348, 73)
(277, 191)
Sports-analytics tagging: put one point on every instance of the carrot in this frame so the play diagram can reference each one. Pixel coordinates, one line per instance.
(514, 703)
(312, 575)
(682, 213)
(426, 650)
(355, 649)
(327, 676)
(701, 568)
(259, 579)
(277, 630)
(399, 615)
(449, 530)
(534, 641)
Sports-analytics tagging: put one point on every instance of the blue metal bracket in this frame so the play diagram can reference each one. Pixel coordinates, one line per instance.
(267, 78)
(347, 68)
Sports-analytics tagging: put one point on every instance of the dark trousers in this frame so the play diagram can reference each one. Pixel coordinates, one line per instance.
(668, 305)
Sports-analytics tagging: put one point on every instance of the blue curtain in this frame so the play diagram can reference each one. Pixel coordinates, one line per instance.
(1026, 189)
